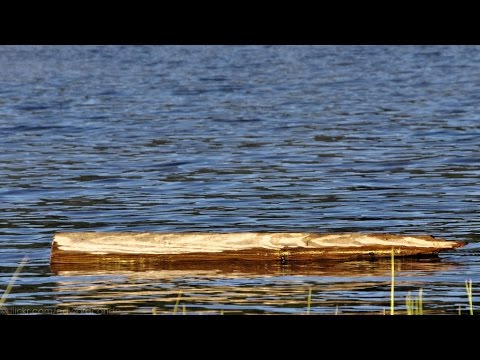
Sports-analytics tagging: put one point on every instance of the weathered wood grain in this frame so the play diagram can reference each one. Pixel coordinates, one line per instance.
(126, 247)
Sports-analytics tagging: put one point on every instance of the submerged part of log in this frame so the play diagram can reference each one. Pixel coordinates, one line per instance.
(422, 266)
(87, 247)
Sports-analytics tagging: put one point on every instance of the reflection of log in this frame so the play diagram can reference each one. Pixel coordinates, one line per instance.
(91, 247)
(239, 287)
(235, 269)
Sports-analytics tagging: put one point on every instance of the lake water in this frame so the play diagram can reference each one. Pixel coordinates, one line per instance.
(239, 138)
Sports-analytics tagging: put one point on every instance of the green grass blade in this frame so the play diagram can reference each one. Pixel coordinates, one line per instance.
(414, 304)
(392, 293)
(420, 302)
(408, 303)
(468, 286)
(178, 301)
(309, 300)
(12, 280)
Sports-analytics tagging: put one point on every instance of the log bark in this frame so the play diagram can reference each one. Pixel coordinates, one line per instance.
(130, 247)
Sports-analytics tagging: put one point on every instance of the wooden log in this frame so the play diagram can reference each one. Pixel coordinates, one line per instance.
(130, 247)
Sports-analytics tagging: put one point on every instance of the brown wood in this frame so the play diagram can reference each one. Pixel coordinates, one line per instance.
(326, 267)
(129, 247)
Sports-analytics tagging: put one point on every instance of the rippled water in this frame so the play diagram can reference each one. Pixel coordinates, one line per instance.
(239, 138)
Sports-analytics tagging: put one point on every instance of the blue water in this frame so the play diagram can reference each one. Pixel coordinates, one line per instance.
(239, 138)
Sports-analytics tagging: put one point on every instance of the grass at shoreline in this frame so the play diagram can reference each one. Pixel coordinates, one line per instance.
(15, 275)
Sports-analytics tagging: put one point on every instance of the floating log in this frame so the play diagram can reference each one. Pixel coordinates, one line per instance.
(130, 247)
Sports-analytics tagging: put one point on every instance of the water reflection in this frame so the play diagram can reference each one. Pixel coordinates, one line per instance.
(354, 286)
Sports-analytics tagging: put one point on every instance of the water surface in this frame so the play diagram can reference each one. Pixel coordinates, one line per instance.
(239, 138)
